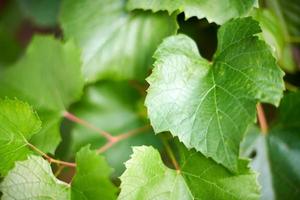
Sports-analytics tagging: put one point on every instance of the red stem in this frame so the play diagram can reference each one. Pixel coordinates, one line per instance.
(262, 119)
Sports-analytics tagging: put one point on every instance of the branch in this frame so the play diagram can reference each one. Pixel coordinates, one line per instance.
(50, 159)
(122, 137)
(262, 119)
(86, 124)
(171, 155)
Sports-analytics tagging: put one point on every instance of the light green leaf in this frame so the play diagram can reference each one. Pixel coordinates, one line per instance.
(113, 107)
(278, 154)
(274, 32)
(146, 177)
(92, 177)
(18, 122)
(115, 44)
(33, 179)
(49, 77)
(218, 11)
(209, 105)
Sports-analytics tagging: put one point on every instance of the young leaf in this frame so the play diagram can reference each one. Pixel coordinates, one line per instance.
(33, 179)
(92, 177)
(146, 177)
(49, 77)
(18, 123)
(278, 154)
(218, 11)
(116, 44)
(102, 104)
(209, 105)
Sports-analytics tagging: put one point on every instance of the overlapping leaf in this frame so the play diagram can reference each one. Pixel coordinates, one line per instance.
(112, 107)
(49, 78)
(208, 105)
(146, 177)
(218, 11)
(33, 179)
(275, 34)
(288, 12)
(18, 123)
(277, 154)
(91, 180)
(115, 44)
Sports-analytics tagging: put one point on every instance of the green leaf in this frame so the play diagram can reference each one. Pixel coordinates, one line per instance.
(116, 44)
(92, 177)
(33, 179)
(48, 77)
(41, 12)
(218, 11)
(113, 107)
(209, 105)
(146, 177)
(18, 122)
(278, 154)
(274, 32)
(288, 13)
(10, 21)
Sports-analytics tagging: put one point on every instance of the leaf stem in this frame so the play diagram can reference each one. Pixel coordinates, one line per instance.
(262, 119)
(50, 159)
(123, 136)
(86, 124)
(171, 155)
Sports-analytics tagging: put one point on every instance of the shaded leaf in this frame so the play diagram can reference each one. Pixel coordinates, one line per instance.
(49, 77)
(273, 31)
(278, 154)
(113, 107)
(115, 44)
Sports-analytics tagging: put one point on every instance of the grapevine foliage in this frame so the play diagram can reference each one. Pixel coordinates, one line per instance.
(123, 99)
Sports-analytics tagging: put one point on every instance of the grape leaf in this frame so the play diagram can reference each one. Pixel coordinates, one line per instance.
(102, 104)
(146, 177)
(10, 20)
(18, 122)
(278, 154)
(33, 179)
(288, 13)
(41, 12)
(116, 44)
(91, 180)
(218, 11)
(209, 105)
(274, 33)
(49, 78)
